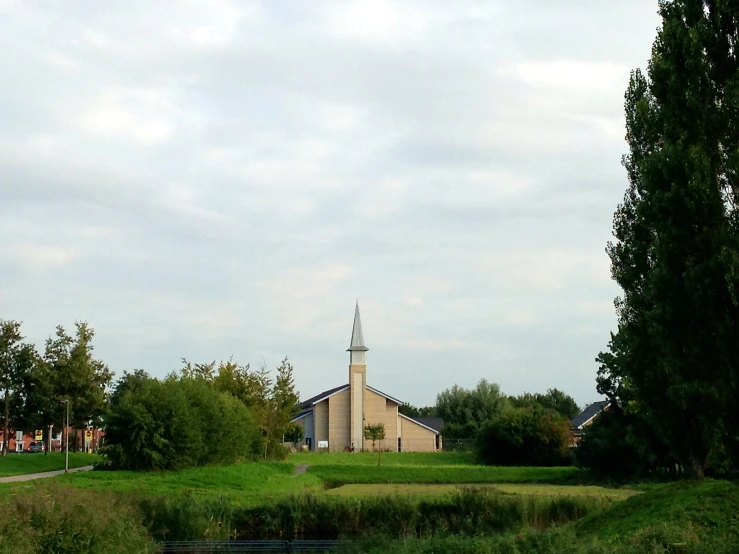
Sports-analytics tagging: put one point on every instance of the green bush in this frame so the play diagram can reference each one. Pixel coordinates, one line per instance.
(177, 423)
(526, 436)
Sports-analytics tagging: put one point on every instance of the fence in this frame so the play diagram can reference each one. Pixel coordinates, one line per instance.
(458, 445)
(192, 547)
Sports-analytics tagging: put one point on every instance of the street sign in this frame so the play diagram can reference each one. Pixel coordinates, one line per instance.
(39, 435)
(88, 434)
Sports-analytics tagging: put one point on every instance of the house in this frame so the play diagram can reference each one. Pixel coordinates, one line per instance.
(585, 418)
(334, 420)
(19, 441)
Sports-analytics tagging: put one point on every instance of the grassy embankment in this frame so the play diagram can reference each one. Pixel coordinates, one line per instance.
(23, 464)
(676, 518)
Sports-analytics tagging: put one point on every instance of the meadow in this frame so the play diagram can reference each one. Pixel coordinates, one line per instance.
(22, 464)
(422, 503)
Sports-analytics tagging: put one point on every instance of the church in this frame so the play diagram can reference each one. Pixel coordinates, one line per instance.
(334, 420)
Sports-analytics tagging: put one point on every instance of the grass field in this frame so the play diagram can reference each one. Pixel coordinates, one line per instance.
(404, 459)
(243, 484)
(335, 476)
(22, 464)
(526, 490)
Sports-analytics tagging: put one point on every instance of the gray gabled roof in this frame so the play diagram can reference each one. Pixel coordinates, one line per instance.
(435, 423)
(357, 342)
(308, 404)
(587, 414)
(414, 420)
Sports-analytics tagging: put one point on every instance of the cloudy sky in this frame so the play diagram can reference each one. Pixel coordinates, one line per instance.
(225, 178)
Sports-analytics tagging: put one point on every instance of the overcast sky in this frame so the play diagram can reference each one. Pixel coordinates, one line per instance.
(225, 178)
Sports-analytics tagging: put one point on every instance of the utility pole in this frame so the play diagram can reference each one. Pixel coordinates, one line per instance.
(66, 435)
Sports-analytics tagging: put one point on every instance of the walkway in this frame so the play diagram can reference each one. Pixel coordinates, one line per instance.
(32, 476)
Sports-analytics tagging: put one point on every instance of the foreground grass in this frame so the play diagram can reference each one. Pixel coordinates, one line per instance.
(338, 475)
(437, 490)
(23, 464)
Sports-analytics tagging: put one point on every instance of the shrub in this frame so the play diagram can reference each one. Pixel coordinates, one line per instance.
(177, 423)
(527, 436)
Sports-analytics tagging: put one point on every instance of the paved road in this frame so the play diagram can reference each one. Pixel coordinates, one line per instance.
(32, 476)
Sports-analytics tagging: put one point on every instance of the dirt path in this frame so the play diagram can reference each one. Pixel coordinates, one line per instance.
(299, 470)
(32, 476)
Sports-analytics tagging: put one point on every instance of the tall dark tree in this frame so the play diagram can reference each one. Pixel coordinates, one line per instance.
(675, 356)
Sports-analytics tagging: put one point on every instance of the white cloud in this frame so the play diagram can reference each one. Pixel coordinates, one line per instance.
(215, 178)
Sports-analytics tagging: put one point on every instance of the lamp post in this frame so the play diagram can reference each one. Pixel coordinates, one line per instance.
(66, 436)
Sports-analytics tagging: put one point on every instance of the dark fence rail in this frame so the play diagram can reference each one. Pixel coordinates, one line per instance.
(193, 547)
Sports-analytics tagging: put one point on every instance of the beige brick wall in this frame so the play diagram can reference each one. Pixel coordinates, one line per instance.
(378, 409)
(416, 438)
(357, 384)
(321, 414)
(339, 420)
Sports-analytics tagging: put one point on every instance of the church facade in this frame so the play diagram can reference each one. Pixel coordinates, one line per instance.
(334, 420)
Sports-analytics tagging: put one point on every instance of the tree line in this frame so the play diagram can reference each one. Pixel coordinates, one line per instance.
(202, 413)
(34, 385)
(529, 429)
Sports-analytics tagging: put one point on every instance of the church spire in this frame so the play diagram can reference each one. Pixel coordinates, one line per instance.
(357, 342)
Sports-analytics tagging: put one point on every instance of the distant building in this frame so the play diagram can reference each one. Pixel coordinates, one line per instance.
(584, 419)
(334, 420)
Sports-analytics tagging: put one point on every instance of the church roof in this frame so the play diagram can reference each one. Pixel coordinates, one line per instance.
(308, 404)
(417, 422)
(357, 342)
(436, 423)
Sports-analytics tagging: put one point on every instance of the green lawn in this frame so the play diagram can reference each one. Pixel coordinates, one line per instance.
(244, 484)
(22, 464)
(335, 476)
(387, 459)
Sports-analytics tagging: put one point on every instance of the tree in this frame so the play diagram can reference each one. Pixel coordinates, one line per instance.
(294, 433)
(78, 376)
(553, 399)
(464, 410)
(283, 403)
(16, 362)
(375, 432)
(175, 423)
(621, 446)
(271, 403)
(528, 436)
(676, 255)
(411, 411)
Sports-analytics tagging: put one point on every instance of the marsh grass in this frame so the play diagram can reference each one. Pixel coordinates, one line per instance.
(71, 521)
(470, 512)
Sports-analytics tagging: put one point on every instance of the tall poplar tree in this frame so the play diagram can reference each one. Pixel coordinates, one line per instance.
(675, 357)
